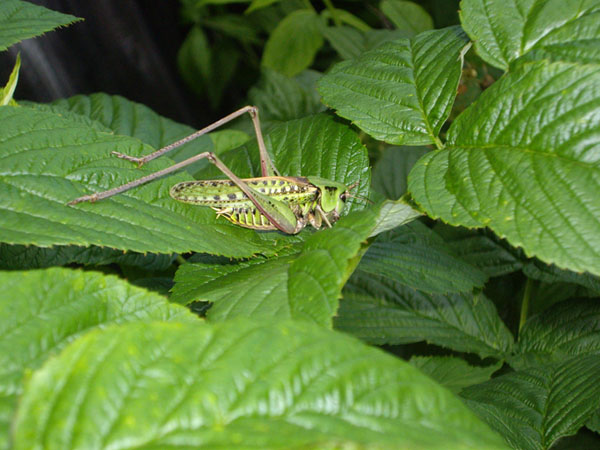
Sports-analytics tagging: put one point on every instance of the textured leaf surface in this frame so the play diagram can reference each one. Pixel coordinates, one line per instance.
(236, 384)
(524, 161)
(48, 161)
(282, 98)
(480, 249)
(570, 328)
(452, 372)
(30, 257)
(390, 174)
(294, 43)
(302, 281)
(551, 274)
(402, 91)
(533, 408)
(22, 20)
(380, 310)
(417, 257)
(504, 31)
(41, 311)
(407, 15)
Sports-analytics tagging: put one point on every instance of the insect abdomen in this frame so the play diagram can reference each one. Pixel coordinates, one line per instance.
(248, 217)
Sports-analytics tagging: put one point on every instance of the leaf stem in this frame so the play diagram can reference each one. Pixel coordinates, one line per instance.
(525, 303)
(180, 259)
(334, 15)
(309, 5)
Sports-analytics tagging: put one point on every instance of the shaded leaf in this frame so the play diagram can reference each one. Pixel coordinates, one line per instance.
(417, 257)
(567, 329)
(293, 44)
(452, 372)
(238, 383)
(282, 98)
(480, 249)
(523, 161)
(407, 15)
(380, 311)
(22, 20)
(42, 311)
(534, 408)
(551, 274)
(391, 170)
(30, 257)
(402, 91)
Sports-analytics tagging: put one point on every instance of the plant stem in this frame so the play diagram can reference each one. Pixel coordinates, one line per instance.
(180, 259)
(525, 303)
(334, 15)
(309, 5)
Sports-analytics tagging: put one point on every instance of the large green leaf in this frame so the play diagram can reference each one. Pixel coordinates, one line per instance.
(22, 20)
(452, 372)
(303, 281)
(534, 408)
(567, 329)
(381, 310)
(41, 311)
(238, 384)
(402, 91)
(417, 257)
(30, 257)
(504, 31)
(47, 161)
(294, 43)
(524, 161)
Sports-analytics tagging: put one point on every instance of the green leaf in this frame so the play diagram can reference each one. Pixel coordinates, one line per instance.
(29, 257)
(282, 98)
(565, 330)
(6, 93)
(348, 42)
(294, 43)
(522, 160)
(194, 60)
(402, 91)
(253, 288)
(238, 384)
(502, 32)
(393, 214)
(259, 4)
(534, 408)
(480, 249)
(381, 311)
(417, 257)
(452, 372)
(551, 274)
(262, 288)
(42, 311)
(390, 174)
(407, 15)
(346, 17)
(34, 191)
(22, 20)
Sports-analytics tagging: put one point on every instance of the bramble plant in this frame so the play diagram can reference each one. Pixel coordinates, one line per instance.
(142, 322)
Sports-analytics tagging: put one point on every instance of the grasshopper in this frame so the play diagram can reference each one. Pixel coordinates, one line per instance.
(271, 202)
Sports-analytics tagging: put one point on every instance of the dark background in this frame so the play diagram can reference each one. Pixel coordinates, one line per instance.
(125, 47)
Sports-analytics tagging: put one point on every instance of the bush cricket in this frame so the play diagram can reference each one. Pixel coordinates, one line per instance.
(271, 202)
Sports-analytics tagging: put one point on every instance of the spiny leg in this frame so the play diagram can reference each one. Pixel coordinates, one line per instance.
(266, 165)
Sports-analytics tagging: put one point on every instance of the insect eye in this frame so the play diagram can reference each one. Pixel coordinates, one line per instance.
(343, 196)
